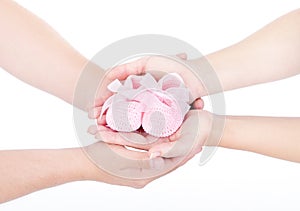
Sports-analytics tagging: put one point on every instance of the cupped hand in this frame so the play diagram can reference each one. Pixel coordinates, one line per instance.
(186, 141)
(116, 165)
(136, 139)
(122, 166)
(164, 153)
(160, 65)
(189, 139)
(157, 66)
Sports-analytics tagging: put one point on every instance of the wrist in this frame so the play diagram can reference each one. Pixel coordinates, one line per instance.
(86, 168)
(208, 80)
(228, 139)
(215, 130)
(87, 85)
(70, 164)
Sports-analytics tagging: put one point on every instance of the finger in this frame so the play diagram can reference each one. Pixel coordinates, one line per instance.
(170, 150)
(93, 129)
(175, 136)
(102, 120)
(142, 139)
(102, 93)
(132, 139)
(133, 161)
(122, 71)
(186, 139)
(138, 165)
(182, 56)
(98, 101)
(117, 158)
(109, 136)
(158, 167)
(94, 113)
(198, 104)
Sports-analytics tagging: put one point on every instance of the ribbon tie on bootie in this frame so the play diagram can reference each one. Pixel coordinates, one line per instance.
(158, 107)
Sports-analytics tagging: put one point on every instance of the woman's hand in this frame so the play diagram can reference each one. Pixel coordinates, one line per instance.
(114, 163)
(157, 66)
(187, 141)
(160, 65)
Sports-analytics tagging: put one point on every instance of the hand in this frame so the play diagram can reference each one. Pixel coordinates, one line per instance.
(137, 139)
(140, 67)
(117, 165)
(187, 141)
(178, 64)
(94, 168)
(144, 141)
(161, 156)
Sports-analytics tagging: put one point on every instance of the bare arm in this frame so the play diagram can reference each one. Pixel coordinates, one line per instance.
(27, 171)
(272, 136)
(33, 52)
(271, 53)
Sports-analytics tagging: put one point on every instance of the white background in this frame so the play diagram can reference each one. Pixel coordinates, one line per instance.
(232, 180)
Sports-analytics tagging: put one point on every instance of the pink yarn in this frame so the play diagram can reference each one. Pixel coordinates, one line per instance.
(158, 107)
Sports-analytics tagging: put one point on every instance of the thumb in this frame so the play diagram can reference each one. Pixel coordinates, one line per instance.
(198, 104)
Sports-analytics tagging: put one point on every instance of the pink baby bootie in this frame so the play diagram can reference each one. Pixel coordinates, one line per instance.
(158, 107)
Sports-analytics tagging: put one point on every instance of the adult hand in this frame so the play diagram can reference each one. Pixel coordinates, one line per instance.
(187, 140)
(114, 164)
(158, 159)
(156, 65)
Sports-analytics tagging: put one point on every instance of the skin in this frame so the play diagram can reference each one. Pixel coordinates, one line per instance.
(272, 136)
(270, 54)
(43, 55)
(23, 171)
(27, 171)
(46, 61)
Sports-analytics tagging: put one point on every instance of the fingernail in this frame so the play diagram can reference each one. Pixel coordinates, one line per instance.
(173, 137)
(154, 155)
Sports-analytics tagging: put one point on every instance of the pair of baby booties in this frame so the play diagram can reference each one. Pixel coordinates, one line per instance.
(158, 107)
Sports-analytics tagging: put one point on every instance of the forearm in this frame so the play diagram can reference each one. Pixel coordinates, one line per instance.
(26, 171)
(271, 53)
(33, 52)
(272, 136)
